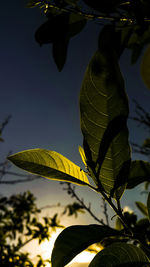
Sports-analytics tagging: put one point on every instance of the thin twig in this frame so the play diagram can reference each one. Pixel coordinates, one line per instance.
(105, 211)
(71, 191)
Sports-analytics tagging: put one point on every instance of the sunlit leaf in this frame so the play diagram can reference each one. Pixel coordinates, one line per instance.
(75, 239)
(33, 3)
(82, 154)
(145, 67)
(139, 173)
(104, 111)
(120, 255)
(148, 205)
(142, 207)
(49, 164)
(118, 224)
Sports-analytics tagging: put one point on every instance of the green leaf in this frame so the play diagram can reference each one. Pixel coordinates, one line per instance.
(118, 224)
(75, 239)
(82, 154)
(148, 205)
(49, 164)
(53, 30)
(104, 111)
(146, 185)
(139, 173)
(142, 207)
(58, 30)
(145, 67)
(147, 143)
(76, 25)
(120, 255)
(60, 53)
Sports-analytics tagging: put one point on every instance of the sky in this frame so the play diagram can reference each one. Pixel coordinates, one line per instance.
(44, 103)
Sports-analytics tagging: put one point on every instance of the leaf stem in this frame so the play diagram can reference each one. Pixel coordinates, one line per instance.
(117, 210)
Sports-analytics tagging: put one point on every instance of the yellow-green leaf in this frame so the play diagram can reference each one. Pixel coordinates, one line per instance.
(148, 205)
(104, 110)
(139, 173)
(82, 154)
(49, 164)
(120, 254)
(142, 207)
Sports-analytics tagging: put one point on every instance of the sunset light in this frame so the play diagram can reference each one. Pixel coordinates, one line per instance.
(47, 246)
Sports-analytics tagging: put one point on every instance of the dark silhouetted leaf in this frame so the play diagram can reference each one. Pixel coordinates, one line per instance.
(120, 255)
(76, 25)
(147, 143)
(136, 52)
(60, 53)
(75, 239)
(142, 207)
(53, 30)
(49, 164)
(104, 110)
(145, 67)
(58, 30)
(139, 173)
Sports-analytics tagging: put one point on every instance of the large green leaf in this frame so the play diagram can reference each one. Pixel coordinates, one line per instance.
(104, 110)
(139, 173)
(148, 205)
(142, 207)
(75, 239)
(120, 255)
(49, 164)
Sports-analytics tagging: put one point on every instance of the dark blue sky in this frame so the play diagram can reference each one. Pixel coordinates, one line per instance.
(43, 102)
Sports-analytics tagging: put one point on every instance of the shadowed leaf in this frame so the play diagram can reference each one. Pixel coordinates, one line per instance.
(120, 255)
(104, 110)
(139, 173)
(145, 67)
(148, 205)
(49, 164)
(142, 207)
(58, 29)
(60, 53)
(75, 239)
(54, 29)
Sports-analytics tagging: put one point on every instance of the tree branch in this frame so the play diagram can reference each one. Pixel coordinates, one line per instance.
(71, 191)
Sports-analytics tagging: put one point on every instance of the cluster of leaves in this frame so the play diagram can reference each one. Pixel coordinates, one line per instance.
(67, 18)
(19, 225)
(104, 112)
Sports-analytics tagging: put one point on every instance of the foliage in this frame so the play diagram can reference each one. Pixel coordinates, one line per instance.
(103, 113)
(19, 225)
